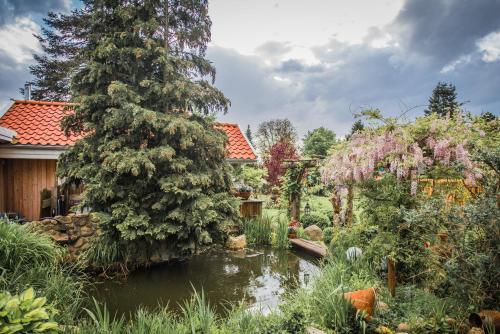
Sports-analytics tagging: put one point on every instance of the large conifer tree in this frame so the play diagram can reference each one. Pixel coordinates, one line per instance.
(62, 38)
(443, 100)
(152, 163)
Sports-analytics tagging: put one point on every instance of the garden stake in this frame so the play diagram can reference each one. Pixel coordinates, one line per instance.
(391, 276)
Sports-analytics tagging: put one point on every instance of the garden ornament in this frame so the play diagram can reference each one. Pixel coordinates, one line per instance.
(353, 253)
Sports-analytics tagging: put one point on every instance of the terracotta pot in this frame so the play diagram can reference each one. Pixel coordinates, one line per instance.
(362, 300)
(243, 194)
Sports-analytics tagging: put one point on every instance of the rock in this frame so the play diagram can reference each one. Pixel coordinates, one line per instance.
(85, 246)
(475, 330)
(403, 327)
(238, 242)
(314, 232)
(79, 243)
(59, 237)
(155, 258)
(312, 330)
(86, 231)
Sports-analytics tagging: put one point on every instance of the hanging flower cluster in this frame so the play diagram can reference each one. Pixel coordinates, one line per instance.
(406, 151)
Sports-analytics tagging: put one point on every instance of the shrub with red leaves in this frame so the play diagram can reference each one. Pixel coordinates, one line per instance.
(279, 152)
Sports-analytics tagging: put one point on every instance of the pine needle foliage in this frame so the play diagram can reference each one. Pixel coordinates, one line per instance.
(152, 163)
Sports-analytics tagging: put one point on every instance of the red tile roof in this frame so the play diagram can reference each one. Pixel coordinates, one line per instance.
(238, 146)
(38, 123)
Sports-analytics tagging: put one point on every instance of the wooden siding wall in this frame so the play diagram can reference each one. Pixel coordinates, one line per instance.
(2, 185)
(24, 179)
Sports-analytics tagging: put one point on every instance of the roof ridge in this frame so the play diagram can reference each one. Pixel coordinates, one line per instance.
(225, 123)
(57, 103)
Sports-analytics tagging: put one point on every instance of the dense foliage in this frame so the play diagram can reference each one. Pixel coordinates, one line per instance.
(274, 162)
(152, 163)
(315, 218)
(28, 259)
(472, 270)
(252, 175)
(61, 40)
(273, 132)
(318, 141)
(443, 100)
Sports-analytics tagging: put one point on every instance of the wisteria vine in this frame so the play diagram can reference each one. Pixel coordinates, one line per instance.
(407, 151)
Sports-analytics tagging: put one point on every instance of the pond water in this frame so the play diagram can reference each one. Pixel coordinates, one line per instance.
(259, 277)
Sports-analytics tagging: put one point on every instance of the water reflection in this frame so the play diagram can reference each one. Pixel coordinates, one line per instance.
(258, 277)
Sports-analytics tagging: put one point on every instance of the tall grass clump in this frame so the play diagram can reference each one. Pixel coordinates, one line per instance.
(323, 302)
(30, 259)
(280, 235)
(258, 231)
(104, 251)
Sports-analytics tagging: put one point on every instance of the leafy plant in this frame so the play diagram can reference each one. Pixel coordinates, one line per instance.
(252, 175)
(30, 259)
(24, 313)
(328, 234)
(472, 271)
(280, 235)
(242, 187)
(258, 231)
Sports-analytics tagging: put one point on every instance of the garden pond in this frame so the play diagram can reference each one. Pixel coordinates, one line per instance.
(259, 277)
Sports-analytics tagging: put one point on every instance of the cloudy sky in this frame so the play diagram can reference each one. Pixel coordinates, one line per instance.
(318, 61)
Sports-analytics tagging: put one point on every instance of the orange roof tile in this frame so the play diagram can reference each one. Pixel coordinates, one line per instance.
(238, 146)
(38, 123)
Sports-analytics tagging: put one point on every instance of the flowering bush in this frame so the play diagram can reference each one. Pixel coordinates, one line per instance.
(406, 151)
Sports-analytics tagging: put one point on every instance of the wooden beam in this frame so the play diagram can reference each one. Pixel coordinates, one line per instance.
(309, 247)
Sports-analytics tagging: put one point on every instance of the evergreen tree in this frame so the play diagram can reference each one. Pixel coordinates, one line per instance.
(152, 163)
(443, 100)
(357, 126)
(61, 40)
(318, 142)
(249, 134)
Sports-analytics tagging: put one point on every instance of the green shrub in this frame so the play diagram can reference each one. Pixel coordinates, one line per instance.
(24, 313)
(30, 259)
(315, 218)
(472, 272)
(21, 248)
(328, 234)
(423, 311)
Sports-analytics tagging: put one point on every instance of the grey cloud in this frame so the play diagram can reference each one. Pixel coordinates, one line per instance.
(294, 65)
(273, 49)
(351, 77)
(11, 9)
(444, 30)
(12, 77)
